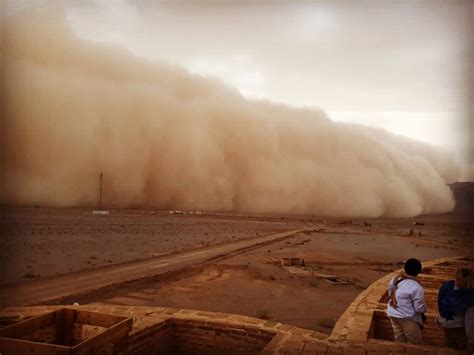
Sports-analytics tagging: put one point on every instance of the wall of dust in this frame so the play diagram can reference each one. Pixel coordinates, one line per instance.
(164, 138)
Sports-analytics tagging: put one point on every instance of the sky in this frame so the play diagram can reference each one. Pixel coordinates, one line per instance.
(405, 65)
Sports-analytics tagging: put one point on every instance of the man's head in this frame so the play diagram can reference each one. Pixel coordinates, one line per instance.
(412, 267)
(465, 277)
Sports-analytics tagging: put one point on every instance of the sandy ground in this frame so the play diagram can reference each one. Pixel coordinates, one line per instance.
(43, 242)
(252, 283)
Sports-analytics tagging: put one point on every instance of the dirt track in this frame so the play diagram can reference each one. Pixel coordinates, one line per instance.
(252, 284)
(47, 289)
(84, 248)
(42, 242)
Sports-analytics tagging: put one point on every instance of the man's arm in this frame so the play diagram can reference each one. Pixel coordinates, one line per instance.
(419, 299)
(392, 299)
(391, 286)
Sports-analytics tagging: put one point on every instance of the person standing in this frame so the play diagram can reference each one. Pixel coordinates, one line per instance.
(406, 305)
(456, 309)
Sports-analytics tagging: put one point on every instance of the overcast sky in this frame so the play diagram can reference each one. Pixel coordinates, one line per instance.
(402, 65)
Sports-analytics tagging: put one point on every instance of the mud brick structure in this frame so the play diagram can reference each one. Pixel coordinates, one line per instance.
(362, 329)
(292, 262)
(67, 331)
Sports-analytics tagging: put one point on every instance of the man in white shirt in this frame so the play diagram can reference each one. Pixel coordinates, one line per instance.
(407, 303)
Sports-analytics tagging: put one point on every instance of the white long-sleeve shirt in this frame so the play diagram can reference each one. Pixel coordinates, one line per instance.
(410, 300)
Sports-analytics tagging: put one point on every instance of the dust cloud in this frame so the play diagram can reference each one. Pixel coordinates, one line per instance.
(167, 139)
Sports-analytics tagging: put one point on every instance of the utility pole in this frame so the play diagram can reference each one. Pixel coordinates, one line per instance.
(100, 191)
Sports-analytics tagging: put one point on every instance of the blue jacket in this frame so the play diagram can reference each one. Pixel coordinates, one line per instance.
(454, 301)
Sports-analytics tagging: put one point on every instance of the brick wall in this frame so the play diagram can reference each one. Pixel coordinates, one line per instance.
(174, 331)
(153, 339)
(208, 337)
(365, 323)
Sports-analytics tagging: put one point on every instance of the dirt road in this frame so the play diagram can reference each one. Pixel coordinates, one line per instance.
(50, 288)
(44, 242)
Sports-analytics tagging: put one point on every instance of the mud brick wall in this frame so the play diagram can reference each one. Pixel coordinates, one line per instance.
(432, 334)
(365, 323)
(85, 331)
(154, 339)
(207, 337)
(182, 331)
(46, 335)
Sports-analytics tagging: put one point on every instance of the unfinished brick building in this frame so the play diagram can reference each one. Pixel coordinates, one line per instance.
(362, 329)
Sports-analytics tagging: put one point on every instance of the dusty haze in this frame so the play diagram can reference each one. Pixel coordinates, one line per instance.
(167, 139)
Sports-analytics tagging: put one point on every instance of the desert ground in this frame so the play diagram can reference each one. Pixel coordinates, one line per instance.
(341, 256)
(46, 241)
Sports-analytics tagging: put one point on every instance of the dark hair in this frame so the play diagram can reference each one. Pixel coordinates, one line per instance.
(412, 267)
(465, 277)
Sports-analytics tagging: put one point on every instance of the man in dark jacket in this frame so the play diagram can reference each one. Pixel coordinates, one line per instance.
(456, 308)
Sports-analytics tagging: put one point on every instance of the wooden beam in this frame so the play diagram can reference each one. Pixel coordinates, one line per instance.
(65, 318)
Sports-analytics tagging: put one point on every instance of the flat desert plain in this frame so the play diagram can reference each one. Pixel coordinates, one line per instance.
(341, 256)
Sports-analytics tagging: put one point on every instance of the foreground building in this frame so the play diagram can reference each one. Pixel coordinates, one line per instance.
(100, 328)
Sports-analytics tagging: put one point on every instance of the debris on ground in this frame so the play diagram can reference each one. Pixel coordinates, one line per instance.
(303, 242)
(336, 280)
(292, 261)
(100, 212)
